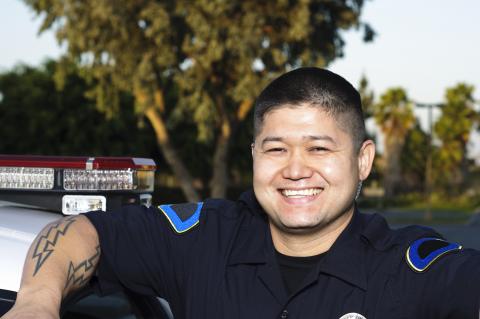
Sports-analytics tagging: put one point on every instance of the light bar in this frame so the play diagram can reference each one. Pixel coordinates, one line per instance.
(77, 173)
(35, 178)
(76, 179)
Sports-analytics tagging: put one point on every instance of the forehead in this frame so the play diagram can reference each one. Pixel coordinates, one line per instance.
(293, 120)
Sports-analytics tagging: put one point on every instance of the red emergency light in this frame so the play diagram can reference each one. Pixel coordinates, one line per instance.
(80, 162)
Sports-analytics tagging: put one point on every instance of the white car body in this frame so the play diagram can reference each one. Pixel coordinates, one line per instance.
(19, 225)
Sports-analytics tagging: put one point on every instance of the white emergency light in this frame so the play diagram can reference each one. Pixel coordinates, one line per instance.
(26, 178)
(81, 181)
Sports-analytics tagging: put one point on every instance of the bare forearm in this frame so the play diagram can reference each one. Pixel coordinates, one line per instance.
(62, 258)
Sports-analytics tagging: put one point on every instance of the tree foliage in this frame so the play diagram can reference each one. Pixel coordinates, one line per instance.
(453, 129)
(413, 159)
(394, 115)
(218, 54)
(37, 118)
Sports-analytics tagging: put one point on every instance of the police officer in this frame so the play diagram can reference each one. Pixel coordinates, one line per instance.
(294, 247)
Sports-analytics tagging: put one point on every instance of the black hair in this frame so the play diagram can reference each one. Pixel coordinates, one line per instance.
(317, 88)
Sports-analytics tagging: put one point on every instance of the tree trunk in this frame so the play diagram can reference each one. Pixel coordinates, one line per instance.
(181, 173)
(219, 181)
(392, 176)
(463, 169)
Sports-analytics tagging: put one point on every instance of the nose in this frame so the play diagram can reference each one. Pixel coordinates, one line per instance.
(297, 167)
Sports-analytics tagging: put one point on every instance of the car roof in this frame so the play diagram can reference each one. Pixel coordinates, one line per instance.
(19, 225)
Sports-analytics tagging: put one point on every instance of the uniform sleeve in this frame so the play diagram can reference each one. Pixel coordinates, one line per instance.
(460, 297)
(448, 288)
(139, 251)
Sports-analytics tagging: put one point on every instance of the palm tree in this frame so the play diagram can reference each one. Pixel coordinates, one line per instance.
(453, 129)
(394, 115)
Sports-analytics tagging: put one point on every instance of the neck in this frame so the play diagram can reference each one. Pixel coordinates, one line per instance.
(311, 243)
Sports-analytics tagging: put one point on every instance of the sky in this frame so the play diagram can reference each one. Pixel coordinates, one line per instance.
(423, 46)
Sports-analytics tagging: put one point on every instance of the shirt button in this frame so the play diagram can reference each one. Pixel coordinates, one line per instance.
(284, 314)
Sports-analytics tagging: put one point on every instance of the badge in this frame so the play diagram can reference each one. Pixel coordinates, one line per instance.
(352, 315)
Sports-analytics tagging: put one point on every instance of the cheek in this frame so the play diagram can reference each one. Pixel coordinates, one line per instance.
(263, 171)
(329, 170)
(336, 170)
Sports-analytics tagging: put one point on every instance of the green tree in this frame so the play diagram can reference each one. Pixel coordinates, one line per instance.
(218, 54)
(413, 159)
(39, 119)
(394, 115)
(453, 129)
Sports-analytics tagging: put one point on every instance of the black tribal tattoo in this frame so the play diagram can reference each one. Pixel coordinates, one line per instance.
(78, 275)
(46, 242)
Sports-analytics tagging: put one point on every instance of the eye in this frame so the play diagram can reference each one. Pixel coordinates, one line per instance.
(318, 149)
(275, 150)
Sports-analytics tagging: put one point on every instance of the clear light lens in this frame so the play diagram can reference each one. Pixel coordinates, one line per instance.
(77, 179)
(78, 204)
(26, 178)
(146, 199)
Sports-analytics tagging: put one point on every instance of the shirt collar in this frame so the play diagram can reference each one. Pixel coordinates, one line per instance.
(346, 259)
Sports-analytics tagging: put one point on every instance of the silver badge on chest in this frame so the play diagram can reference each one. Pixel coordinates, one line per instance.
(352, 315)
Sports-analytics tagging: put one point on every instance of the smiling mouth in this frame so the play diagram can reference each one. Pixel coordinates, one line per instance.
(300, 193)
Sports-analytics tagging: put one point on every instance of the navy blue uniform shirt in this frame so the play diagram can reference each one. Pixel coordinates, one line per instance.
(218, 261)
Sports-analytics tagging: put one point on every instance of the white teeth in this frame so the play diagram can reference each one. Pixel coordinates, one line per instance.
(301, 192)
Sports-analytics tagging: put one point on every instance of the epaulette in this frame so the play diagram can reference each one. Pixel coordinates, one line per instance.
(182, 217)
(423, 252)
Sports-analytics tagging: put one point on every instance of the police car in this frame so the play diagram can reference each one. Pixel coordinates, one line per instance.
(37, 190)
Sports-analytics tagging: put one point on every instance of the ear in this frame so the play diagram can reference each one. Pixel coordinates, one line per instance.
(252, 147)
(365, 159)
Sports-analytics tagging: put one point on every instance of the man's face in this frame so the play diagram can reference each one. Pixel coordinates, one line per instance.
(305, 168)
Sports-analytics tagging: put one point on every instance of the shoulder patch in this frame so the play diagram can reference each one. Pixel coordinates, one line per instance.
(182, 217)
(423, 252)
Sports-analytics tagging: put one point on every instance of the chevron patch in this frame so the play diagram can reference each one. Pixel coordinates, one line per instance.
(425, 251)
(182, 217)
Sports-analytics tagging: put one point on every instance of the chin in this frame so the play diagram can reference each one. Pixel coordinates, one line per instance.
(300, 225)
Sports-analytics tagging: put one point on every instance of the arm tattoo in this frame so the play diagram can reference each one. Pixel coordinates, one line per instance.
(79, 275)
(47, 241)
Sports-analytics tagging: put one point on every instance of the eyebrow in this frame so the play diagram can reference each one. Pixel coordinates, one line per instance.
(307, 137)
